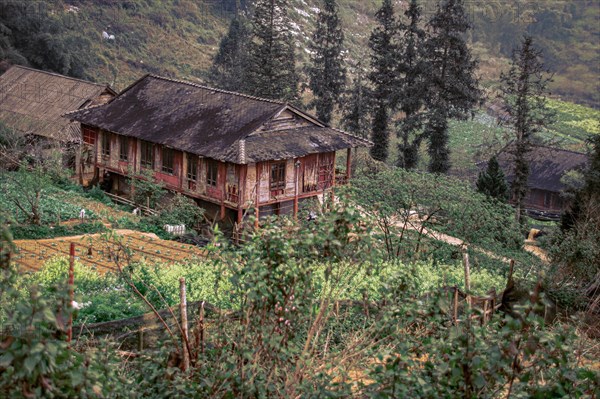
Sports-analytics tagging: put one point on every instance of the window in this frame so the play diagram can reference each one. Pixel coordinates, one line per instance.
(192, 168)
(89, 136)
(167, 160)
(147, 160)
(192, 171)
(123, 148)
(212, 172)
(106, 145)
(277, 182)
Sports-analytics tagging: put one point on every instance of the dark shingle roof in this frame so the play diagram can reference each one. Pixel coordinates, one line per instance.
(298, 142)
(207, 121)
(547, 165)
(33, 101)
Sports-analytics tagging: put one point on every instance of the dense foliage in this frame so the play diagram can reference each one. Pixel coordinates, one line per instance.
(327, 74)
(306, 309)
(575, 278)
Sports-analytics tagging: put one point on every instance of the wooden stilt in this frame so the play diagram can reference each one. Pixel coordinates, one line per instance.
(349, 164)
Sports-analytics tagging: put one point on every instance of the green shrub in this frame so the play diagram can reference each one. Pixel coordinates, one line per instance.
(31, 232)
(97, 194)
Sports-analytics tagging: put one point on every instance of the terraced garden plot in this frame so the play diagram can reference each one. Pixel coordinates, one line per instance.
(102, 254)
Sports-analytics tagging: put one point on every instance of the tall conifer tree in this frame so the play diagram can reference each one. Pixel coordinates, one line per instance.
(523, 92)
(272, 66)
(228, 70)
(412, 86)
(327, 73)
(356, 111)
(384, 57)
(453, 84)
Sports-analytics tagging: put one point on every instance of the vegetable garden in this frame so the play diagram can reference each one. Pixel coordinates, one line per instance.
(97, 251)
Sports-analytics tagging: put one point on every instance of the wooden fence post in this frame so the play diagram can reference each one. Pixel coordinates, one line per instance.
(71, 291)
(202, 327)
(184, 323)
(455, 306)
(467, 274)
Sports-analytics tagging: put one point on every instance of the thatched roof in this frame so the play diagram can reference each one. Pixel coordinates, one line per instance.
(210, 122)
(547, 165)
(33, 101)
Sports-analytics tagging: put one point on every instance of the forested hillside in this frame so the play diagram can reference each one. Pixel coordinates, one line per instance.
(180, 37)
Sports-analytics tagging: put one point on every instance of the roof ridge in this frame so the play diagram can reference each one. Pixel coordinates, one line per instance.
(350, 134)
(83, 109)
(187, 82)
(312, 127)
(512, 142)
(559, 149)
(60, 76)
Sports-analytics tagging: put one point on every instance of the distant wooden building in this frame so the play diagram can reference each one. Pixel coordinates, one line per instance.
(32, 102)
(547, 165)
(222, 148)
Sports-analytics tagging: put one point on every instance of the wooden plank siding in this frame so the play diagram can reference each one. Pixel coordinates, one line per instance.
(236, 185)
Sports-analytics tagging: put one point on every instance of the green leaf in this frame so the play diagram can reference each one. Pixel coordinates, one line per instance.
(6, 359)
(30, 363)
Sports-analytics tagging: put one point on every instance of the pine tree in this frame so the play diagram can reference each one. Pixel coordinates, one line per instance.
(228, 70)
(272, 66)
(327, 73)
(452, 80)
(356, 111)
(412, 87)
(523, 92)
(492, 182)
(384, 56)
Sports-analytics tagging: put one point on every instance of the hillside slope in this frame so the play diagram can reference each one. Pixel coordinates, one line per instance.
(179, 37)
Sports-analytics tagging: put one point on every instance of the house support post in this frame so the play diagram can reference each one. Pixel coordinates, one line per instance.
(348, 164)
(222, 176)
(332, 195)
(256, 200)
(296, 169)
(241, 193)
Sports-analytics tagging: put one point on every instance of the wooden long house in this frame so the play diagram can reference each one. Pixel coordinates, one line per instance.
(33, 102)
(547, 166)
(229, 151)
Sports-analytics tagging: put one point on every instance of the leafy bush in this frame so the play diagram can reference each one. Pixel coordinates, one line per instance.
(401, 202)
(102, 297)
(35, 358)
(519, 357)
(97, 194)
(32, 232)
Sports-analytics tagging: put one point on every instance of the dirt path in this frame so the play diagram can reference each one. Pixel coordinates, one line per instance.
(436, 235)
(457, 242)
